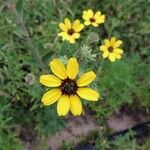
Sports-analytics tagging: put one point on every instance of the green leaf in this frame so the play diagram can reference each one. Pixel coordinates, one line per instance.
(19, 7)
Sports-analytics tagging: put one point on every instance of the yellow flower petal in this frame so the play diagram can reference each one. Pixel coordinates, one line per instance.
(88, 94)
(50, 80)
(90, 13)
(76, 23)
(72, 68)
(71, 39)
(118, 51)
(107, 43)
(87, 23)
(100, 19)
(87, 14)
(77, 26)
(103, 48)
(62, 27)
(105, 54)
(97, 15)
(51, 96)
(86, 79)
(94, 24)
(80, 27)
(118, 56)
(58, 68)
(63, 105)
(67, 23)
(76, 35)
(112, 57)
(63, 35)
(75, 105)
(118, 43)
(113, 41)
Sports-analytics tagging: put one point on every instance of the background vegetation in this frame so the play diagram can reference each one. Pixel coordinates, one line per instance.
(28, 41)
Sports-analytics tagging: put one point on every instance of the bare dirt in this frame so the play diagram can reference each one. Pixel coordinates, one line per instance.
(119, 122)
(77, 129)
(80, 127)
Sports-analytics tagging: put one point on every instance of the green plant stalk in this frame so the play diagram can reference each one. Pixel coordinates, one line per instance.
(34, 50)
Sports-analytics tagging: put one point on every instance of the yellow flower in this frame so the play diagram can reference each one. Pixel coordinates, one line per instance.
(70, 31)
(67, 90)
(93, 19)
(111, 49)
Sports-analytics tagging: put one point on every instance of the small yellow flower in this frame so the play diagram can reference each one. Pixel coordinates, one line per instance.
(111, 49)
(67, 90)
(93, 19)
(70, 31)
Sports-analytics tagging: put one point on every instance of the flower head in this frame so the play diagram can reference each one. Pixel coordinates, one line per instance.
(70, 31)
(67, 91)
(111, 49)
(91, 18)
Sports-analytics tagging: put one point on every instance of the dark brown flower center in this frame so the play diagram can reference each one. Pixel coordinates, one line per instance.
(70, 31)
(92, 19)
(69, 87)
(110, 49)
